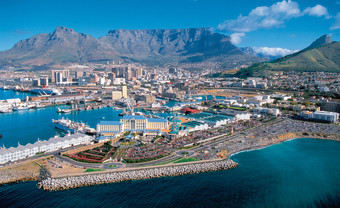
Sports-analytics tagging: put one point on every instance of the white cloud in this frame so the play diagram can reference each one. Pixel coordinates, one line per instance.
(317, 10)
(265, 17)
(262, 17)
(273, 51)
(336, 24)
(236, 38)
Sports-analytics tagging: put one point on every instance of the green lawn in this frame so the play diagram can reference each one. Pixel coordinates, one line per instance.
(237, 108)
(112, 166)
(89, 170)
(189, 159)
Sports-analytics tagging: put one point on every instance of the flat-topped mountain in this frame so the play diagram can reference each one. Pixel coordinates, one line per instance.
(146, 46)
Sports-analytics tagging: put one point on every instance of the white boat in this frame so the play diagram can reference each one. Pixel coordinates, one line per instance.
(19, 108)
(64, 110)
(6, 110)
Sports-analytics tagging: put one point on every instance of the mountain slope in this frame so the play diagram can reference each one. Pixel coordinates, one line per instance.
(62, 45)
(318, 58)
(149, 46)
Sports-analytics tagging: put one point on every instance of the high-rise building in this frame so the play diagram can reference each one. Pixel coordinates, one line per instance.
(128, 75)
(124, 91)
(79, 74)
(55, 73)
(36, 82)
(44, 81)
(139, 71)
(111, 76)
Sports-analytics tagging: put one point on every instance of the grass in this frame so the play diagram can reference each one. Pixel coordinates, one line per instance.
(112, 166)
(164, 163)
(184, 160)
(90, 170)
(237, 108)
(189, 147)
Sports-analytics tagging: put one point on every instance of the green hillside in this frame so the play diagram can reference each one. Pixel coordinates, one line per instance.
(324, 58)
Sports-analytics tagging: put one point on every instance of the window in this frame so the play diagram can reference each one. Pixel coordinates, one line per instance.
(133, 124)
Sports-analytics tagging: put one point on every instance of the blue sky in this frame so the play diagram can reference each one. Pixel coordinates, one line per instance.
(263, 23)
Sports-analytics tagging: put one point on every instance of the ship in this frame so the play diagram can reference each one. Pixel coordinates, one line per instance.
(45, 91)
(72, 127)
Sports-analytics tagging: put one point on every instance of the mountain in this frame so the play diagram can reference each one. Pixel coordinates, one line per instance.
(62, 45)
(249, 51)
(323, 40)
(321, 55)
(65, 45)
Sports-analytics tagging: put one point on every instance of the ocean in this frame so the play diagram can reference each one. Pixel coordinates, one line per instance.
(296, 173)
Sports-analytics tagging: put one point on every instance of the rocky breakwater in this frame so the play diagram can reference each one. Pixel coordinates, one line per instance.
(54, 184)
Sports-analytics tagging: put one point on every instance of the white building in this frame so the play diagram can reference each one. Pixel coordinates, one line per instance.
(268, 111)
(331, 117)
(21, 152)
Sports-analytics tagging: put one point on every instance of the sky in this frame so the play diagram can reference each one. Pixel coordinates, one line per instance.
(271, 26)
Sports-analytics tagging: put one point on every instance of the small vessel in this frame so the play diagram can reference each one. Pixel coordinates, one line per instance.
(6, 110)
(63, 110)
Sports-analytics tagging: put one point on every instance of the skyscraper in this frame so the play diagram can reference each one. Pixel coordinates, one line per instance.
(124, 91)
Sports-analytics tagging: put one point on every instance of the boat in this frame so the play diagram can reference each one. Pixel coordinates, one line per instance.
(45, 91)
(5, 88)
(72, 127)
(63, 110)
(6, 110)
(20, 108)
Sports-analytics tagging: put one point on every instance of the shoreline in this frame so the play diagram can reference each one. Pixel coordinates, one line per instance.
(188, 168)
(289, 137)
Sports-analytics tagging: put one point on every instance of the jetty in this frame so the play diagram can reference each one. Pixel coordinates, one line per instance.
(57, 184)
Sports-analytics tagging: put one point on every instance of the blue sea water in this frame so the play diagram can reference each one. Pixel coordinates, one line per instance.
(297, 173)
(27, 126)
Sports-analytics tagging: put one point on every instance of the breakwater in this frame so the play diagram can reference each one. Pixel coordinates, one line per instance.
(54, 184)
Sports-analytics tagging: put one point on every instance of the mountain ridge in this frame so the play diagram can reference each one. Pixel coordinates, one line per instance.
(65, 45)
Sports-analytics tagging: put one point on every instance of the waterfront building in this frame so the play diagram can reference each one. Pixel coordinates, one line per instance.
(217, 121)
(53, 144)
(146, 98)
(195, 126)
(133, 123)
(116, 95)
